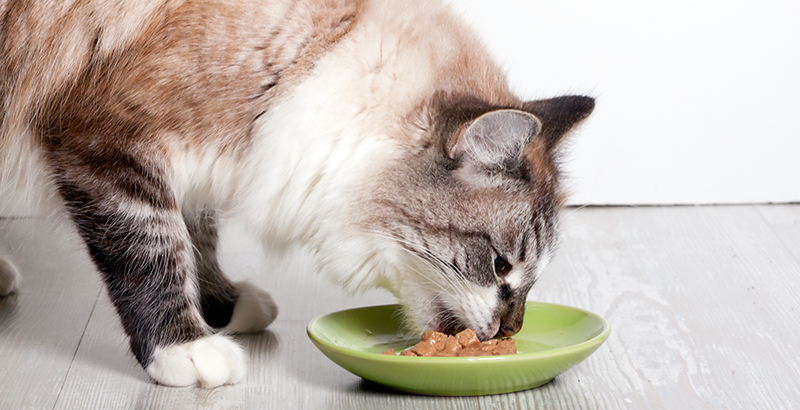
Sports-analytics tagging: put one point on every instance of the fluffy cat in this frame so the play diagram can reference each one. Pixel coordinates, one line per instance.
(377, 133)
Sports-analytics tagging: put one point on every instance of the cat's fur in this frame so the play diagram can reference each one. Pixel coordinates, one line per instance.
(378, 133)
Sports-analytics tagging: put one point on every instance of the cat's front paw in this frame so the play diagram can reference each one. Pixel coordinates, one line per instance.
(253, 312)
(207, 362)
(9, 277)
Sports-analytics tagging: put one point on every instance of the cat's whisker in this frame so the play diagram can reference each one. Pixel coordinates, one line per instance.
(459, 288)
(443, 266)
(442, 290)
(426, 277)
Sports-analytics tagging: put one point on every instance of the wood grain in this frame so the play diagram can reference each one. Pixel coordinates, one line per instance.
(784, 221)
(702, 302)
(41, 326)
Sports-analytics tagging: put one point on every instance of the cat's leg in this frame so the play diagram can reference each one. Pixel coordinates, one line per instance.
(9, 277)
(229, 307)
(128, 217)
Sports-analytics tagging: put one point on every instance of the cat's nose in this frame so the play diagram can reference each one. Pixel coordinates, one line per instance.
(511, 319)
(507, 330)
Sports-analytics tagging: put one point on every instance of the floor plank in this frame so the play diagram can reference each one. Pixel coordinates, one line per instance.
(784, 220)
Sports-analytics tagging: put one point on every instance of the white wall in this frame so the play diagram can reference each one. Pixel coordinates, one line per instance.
(697, 101)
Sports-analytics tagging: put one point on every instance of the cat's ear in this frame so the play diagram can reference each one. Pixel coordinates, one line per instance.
(559, 116)
(495, 140)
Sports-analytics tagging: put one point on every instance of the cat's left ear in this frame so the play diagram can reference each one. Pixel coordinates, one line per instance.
(495, 140)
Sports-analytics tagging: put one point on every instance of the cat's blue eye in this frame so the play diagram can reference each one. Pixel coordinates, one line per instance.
(501, 266)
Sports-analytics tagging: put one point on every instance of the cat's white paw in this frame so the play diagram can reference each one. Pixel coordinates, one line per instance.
(207, 362)
(9, 277)
(254, 310)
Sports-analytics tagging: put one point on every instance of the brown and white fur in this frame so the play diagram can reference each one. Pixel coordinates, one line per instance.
(377, 133)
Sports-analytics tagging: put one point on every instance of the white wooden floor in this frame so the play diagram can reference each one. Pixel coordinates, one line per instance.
(703, 304)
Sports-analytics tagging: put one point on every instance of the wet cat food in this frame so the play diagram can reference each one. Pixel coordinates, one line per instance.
(465, 343)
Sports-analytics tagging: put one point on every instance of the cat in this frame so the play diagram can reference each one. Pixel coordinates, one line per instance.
(379, 134)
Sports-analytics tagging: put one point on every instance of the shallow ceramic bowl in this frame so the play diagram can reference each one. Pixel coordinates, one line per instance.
(552, 339)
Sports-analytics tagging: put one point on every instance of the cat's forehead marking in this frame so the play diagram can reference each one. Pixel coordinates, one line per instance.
(514, 278)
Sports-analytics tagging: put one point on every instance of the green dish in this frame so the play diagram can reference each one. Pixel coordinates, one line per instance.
(553, 339)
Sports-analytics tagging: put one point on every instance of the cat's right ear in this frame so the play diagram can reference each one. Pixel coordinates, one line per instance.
(559, 116)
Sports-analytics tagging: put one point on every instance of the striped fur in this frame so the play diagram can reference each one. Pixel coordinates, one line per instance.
(377, 133)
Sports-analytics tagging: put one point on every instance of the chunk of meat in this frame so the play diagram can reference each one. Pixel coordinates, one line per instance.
(468, 339)
(465, 343)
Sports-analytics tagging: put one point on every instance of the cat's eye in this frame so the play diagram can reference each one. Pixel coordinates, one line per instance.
(501, 266)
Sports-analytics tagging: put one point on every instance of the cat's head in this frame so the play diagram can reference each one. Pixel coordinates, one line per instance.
(471, 211)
